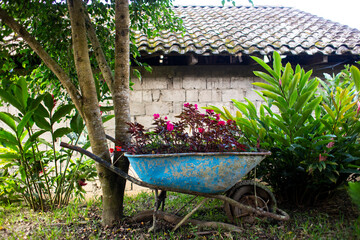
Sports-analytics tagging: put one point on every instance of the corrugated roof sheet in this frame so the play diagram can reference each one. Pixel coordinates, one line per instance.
(250, 30)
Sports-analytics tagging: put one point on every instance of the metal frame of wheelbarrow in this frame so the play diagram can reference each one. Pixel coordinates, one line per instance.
(282, 216)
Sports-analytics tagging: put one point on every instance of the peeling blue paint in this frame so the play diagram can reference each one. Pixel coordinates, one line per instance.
(198, 172)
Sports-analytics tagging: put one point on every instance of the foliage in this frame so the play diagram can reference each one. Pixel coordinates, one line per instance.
(354, 192)
(311, 132)
(194, 132)
(30, 166)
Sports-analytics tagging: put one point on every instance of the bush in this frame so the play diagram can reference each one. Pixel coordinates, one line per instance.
(311, 132)
(32, 168)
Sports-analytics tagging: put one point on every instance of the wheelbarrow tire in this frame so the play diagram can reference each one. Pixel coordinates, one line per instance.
(253, 194)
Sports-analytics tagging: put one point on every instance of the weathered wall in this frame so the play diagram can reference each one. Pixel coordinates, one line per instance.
(166, 89)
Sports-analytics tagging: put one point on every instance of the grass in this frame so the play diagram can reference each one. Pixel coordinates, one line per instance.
(332, 220)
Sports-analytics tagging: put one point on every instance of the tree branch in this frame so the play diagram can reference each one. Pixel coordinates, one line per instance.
(50, 62)
(99, 53)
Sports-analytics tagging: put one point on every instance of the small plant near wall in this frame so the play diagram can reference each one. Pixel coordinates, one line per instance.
(311, 131)
(34, 169)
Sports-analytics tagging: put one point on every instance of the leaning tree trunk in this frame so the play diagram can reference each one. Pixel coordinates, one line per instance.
(91, 110)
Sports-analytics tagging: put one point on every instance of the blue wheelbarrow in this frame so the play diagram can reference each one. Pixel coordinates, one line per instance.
(211, 175)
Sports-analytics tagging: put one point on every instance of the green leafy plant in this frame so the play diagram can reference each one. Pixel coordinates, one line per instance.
(31, 166)
(311, 133)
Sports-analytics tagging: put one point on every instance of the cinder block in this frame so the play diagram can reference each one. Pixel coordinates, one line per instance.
(252, 95)
(147, 96)
(136, 96)
(146, 121)
(194, 83)
(173, 95)
(229, 94)
(241, 83)
(205, 96)
(155, 83)
(137, 109)
(158, 107)
(177, 83)
(192, 95)
(155, 95)
(218, 83)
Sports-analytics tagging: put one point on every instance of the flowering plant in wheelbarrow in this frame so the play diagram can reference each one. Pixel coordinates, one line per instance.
(194, 132)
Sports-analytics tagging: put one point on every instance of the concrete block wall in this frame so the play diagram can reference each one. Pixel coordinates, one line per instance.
(167, 88)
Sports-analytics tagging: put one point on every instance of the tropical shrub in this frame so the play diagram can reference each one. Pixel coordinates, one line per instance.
(311, 132)
(32, 168)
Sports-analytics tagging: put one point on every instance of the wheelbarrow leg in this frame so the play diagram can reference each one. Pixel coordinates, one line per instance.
(161, 201)
(156, 208)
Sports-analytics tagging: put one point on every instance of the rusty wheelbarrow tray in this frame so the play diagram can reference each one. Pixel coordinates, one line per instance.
(211, 175)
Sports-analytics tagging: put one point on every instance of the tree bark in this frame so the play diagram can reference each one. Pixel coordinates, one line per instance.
(91, 110)
(121, 92)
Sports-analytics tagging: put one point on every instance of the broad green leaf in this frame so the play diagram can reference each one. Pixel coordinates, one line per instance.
(8, 120)
(21, 92)
(302, 100)
(267, 78)
(281, 126)
(268, 87)
(293, 98)
(313, 104)
(7, 97)
(61, 132)
(251, 107)
(329, 111)
(355, 73)
(228, 114)
(293, 84)
(215, 109)
(31, 140)
(61, 112)
(277, 64)
(10, 155)
(241, 106)
(267, 67)
(5, 135)
(49, 101)
(279, 138)
(346, 108)
(23, 122)
(34, 104)
(286, 75)
(303, 80)
(42, 123)
(77, 123)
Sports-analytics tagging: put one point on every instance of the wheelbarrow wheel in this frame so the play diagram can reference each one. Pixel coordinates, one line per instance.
(252, 194)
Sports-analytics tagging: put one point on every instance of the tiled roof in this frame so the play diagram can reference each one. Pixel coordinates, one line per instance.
(251, 30)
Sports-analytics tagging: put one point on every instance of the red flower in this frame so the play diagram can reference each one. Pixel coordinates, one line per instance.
(118, 148)
(169, 126)
(54, 100)
(209, 111)
(217, 116)
(111, 150)
(221, 123)
(100, 110)
(201, 130)
(82, 182)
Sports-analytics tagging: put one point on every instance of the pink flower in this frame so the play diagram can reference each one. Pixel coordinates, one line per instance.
(187, 105)
(330, 144)
(196, 106)
(169, 126)
(82, 182)
(165, 118)
(358, 109)
(280, 82)
(221, 123)
(201, 130)
(209, 111)
(156, 116)
(322, 158)
(217, 116)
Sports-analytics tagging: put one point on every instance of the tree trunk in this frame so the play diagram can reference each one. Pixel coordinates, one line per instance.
(91, 111)
(121, 92)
